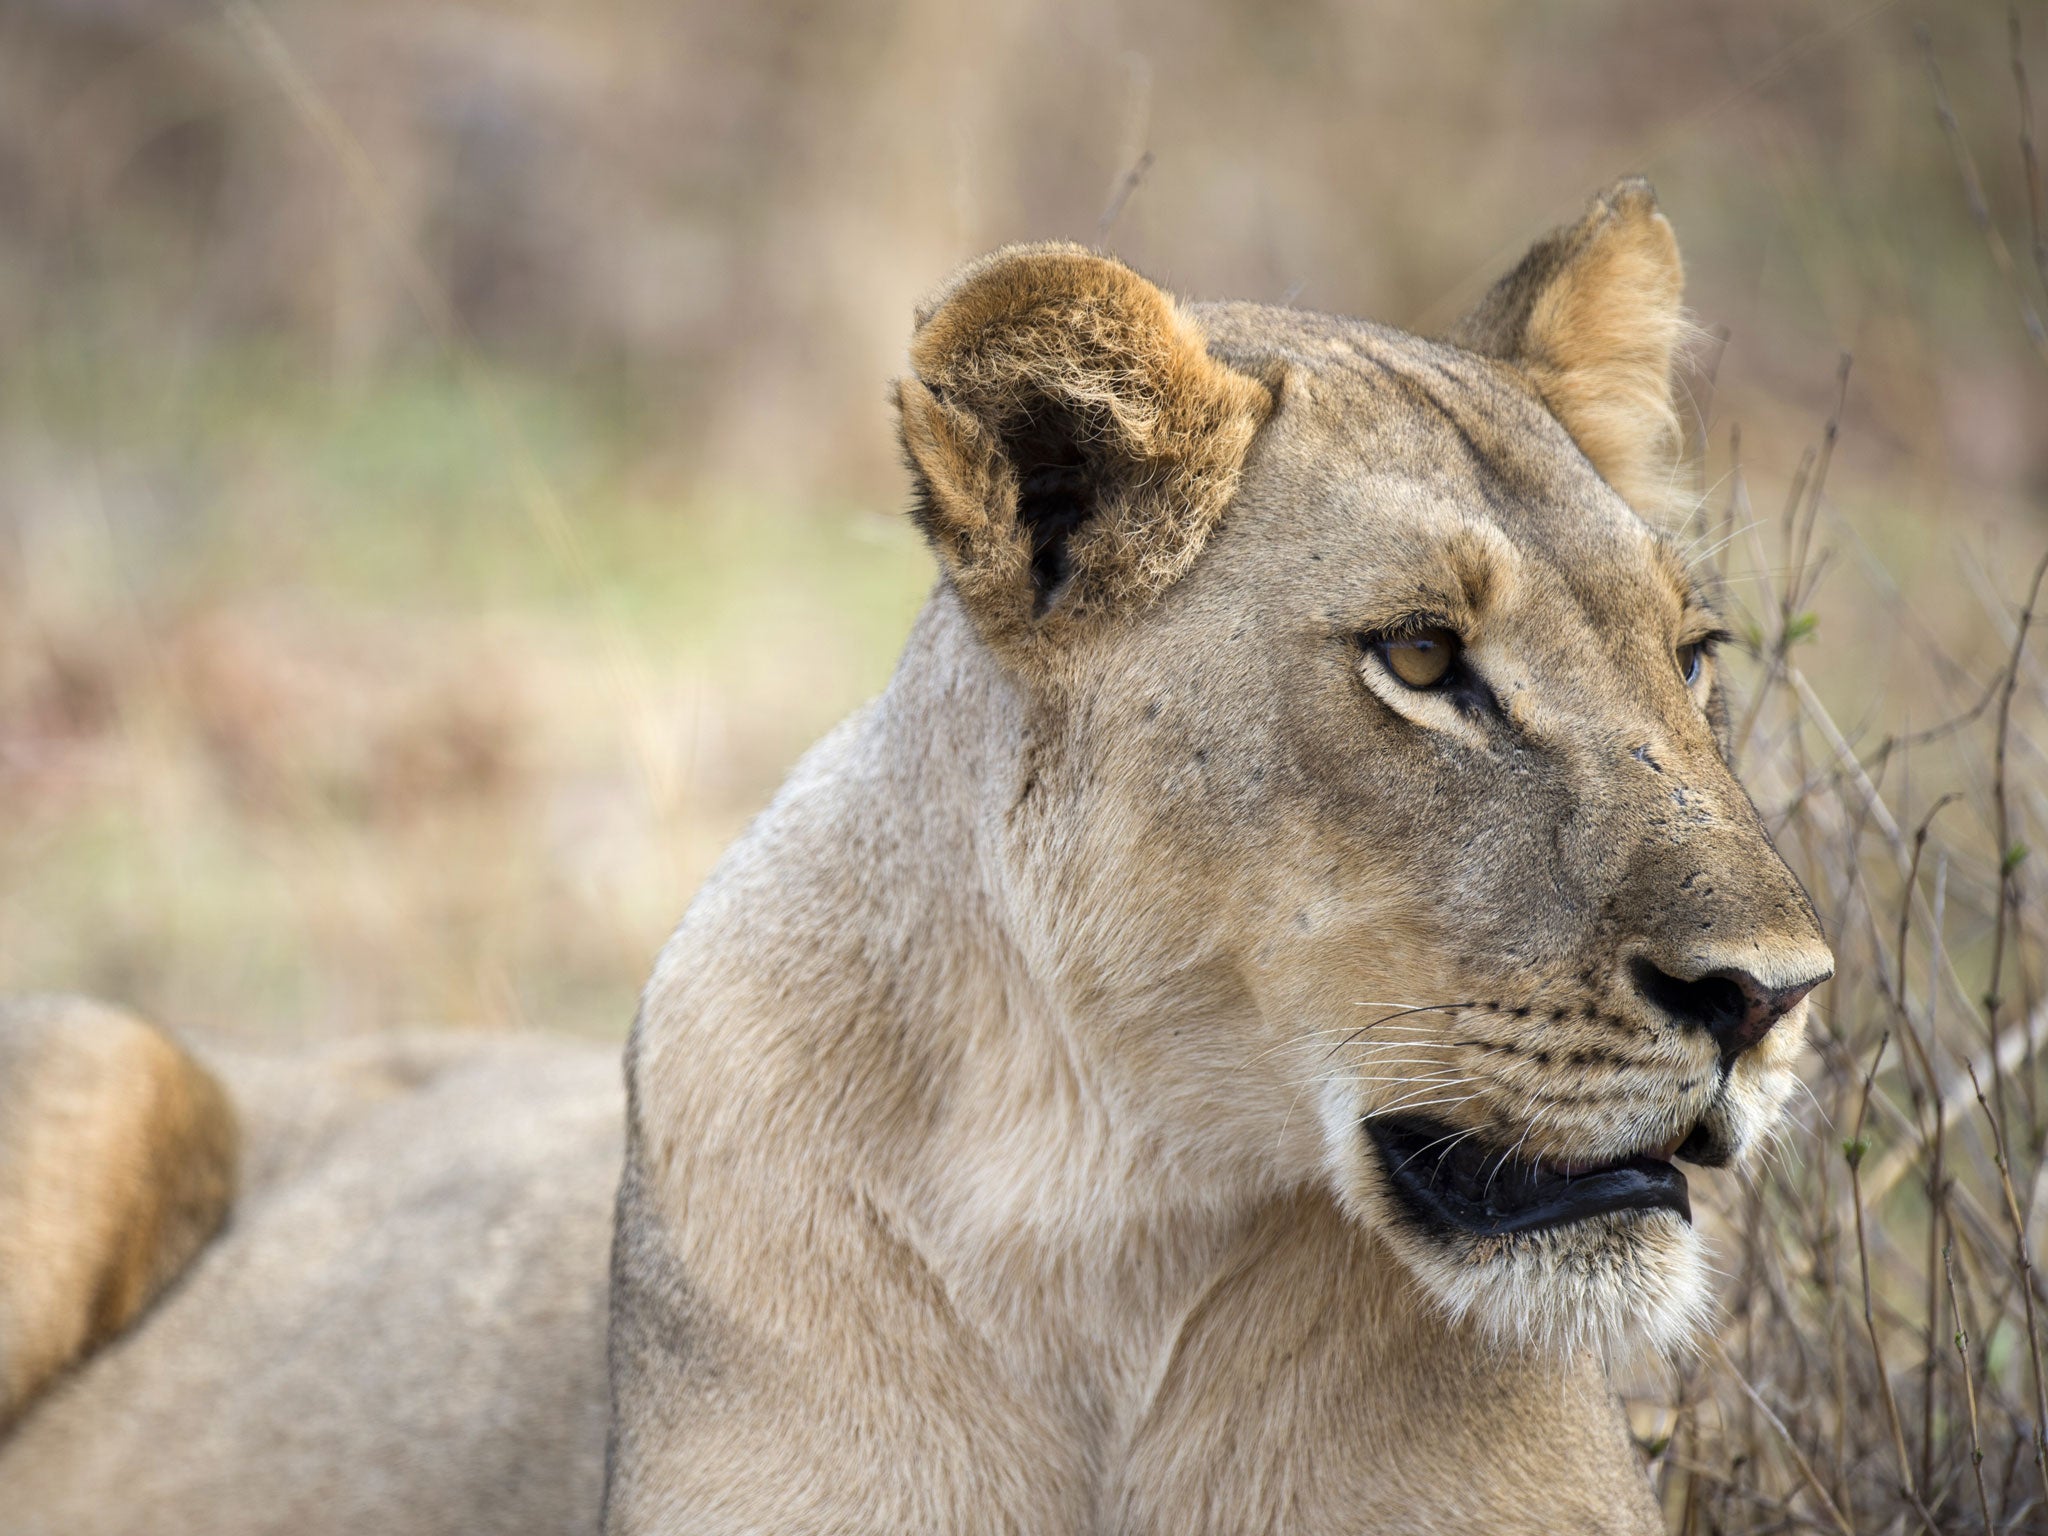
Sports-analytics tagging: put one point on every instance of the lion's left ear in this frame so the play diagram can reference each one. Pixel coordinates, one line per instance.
(1593, 318)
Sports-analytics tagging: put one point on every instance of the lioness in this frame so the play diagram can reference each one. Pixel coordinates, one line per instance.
(1203, 1052)
(1206, 1049)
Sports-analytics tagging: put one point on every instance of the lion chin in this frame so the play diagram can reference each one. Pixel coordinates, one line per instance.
(1562, 1260)
(1613, 1285)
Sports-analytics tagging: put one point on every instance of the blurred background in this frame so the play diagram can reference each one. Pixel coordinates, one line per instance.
(445, 470)
(446, 479)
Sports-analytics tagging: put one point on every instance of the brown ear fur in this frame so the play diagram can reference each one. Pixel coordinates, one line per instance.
(1073, 440)
(117, 1163)
(1592, 316)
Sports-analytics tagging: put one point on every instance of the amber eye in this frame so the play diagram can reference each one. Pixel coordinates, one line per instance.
(1422, 659)
(1690, 659)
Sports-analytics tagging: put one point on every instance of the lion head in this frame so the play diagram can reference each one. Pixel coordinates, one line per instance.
(1371, 806)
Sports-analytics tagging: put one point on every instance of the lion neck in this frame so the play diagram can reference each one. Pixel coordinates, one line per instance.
(1083, 1176)
(865, 1063)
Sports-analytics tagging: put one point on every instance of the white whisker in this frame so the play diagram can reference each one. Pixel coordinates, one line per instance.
(1423, 1102)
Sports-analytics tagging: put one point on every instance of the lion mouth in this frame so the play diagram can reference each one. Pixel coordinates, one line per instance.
(1447, 1182)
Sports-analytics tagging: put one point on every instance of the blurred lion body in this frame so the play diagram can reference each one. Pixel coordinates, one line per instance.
(117, 1161)
(400, 1328)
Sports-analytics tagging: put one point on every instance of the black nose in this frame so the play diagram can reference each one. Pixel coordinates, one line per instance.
(1729, 1004)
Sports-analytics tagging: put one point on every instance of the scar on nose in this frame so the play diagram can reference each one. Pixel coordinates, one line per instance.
(1642, 755)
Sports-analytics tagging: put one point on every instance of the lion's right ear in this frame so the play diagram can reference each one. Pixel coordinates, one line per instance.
(1593, 317)
(1072, 440)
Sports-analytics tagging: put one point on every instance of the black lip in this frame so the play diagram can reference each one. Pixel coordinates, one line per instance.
(1706, 1147)
(1447, 1183)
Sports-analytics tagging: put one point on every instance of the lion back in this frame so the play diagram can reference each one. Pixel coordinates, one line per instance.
(117, 1163)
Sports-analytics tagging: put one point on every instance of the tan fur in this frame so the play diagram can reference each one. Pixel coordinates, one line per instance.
(400, 1329)
(997, 1155)
(117, 1161)
(1592, 318)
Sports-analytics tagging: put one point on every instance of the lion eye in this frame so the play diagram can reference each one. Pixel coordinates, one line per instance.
(1690, 659)
(1422, 659)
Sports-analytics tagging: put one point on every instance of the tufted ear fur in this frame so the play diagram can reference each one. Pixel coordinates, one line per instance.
(1072, 440)
(1592, 317)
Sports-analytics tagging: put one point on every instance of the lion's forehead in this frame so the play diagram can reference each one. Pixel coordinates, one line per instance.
(1396, 462)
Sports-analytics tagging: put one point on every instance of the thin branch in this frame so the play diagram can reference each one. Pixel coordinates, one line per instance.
(1853, 1151)
(1130, 181)
(2028, 159)
(2025, 1268)
(1973, 195)
(1969, 1384)
(1799, 1461)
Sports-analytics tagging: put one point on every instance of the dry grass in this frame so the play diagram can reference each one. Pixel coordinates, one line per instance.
(1881, 1364)
(1883, 1324)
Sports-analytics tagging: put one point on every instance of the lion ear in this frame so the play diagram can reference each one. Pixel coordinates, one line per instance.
(1072, 441)
(1593, 317)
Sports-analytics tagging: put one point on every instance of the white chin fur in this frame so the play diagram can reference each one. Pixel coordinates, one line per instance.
(1613, 1284)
